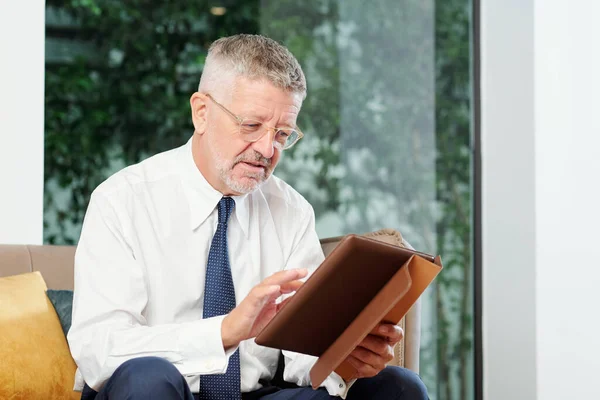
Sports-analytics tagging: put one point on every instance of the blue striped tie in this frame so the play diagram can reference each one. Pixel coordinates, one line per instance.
(219, 299)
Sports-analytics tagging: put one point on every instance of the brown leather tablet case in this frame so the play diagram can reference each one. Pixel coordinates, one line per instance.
(361, 283)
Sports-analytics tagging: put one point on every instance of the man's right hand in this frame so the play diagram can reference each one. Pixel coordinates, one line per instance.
(259, 307)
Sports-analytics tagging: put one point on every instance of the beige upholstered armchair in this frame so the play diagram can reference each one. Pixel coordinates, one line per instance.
(56, 266)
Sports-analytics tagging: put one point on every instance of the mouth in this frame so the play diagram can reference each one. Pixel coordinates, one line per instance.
(254, 167)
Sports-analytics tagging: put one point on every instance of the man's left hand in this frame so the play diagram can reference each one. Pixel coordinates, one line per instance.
(375, 351)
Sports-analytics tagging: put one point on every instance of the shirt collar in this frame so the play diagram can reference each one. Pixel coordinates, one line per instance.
(202, 197)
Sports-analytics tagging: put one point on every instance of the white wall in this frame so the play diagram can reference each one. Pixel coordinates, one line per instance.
(508, 198)
(21, 121)
(541, 193)
(567, 162)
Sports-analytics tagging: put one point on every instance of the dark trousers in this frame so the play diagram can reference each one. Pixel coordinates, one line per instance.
(151, 378)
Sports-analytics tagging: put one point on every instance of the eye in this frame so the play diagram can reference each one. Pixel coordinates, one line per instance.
(283, 134)
(250, 126)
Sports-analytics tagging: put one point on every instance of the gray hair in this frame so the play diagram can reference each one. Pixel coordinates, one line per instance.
(253, 57)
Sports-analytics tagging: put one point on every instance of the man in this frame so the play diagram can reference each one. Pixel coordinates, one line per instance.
(182, 257)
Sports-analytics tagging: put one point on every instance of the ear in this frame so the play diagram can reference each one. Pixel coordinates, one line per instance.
(198, 106)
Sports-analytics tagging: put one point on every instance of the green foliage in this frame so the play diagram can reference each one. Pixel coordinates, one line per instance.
(454, 194)
(128, 101)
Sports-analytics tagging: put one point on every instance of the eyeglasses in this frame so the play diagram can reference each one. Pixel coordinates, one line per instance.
(252, 131)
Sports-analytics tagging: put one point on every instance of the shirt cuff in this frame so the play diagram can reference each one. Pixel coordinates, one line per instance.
(201, 346)
(336, 386)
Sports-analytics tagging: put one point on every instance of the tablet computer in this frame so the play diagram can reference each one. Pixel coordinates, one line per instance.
(340, 289)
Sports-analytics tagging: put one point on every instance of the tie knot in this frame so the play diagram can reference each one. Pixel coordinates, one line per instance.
(226, 205)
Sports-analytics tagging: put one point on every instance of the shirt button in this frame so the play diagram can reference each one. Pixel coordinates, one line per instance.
(341, 385)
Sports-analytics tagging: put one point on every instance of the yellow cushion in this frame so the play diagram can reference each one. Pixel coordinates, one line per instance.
(35, 362)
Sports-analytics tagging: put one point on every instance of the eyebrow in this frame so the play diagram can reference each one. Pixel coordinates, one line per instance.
(261, 117)
(253, 113)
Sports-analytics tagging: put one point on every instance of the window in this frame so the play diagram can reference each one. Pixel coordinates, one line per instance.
(387, 123)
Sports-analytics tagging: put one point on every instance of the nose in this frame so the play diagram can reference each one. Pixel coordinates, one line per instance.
(265, 144)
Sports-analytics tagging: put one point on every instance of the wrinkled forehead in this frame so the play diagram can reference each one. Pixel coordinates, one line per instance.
(263, 100)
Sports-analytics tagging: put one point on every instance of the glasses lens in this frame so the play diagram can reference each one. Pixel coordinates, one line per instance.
(251, 130)
(286, 137)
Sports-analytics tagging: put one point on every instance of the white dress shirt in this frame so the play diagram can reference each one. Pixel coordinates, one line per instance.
(140, 268)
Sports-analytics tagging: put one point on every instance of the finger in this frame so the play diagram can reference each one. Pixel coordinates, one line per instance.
(378, 345)
(285, 276)
(369, 358)
(262, 294)
(253, 304)
(362, 370)
(393, 333)
(290, 287)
